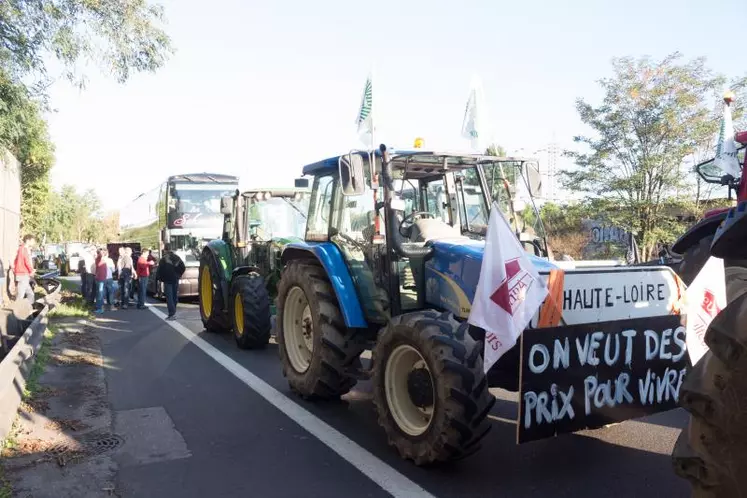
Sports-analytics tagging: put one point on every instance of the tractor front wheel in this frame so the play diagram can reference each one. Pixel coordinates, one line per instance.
(211, 295)
(250, 311)
(317, 351)
(430, 392)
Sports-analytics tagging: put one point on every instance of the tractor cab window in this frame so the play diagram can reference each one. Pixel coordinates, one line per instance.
(473, 211)
(436, 200)
(276, 216)
(320, 207)
(506, 181)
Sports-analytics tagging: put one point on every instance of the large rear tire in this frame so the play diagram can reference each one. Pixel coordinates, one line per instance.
(250, 311)
(214, 319)
(317, 351)
(712, 451)
(430, 392)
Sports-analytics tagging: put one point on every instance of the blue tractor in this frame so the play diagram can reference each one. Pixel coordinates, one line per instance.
(390, 260)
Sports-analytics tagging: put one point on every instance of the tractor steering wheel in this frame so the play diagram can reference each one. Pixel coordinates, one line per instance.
(406, 224)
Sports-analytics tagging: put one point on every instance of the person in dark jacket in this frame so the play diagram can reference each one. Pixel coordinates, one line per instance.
(170, 270)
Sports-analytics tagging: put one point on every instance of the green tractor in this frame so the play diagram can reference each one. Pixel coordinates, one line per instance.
(239, 272)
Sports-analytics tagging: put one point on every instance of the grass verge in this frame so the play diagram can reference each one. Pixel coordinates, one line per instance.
(69, 285)
(72, 305)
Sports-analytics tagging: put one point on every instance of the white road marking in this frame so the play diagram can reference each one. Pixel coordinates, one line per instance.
(379, 472)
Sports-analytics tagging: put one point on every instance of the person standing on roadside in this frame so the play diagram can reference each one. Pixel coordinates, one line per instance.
(2, 283)
(100, 275)
(90, 257)
(24, 269)
(109, 283)
(124, 267)
(82, 272)
(170, 270)
(144, 264)
(104, 281)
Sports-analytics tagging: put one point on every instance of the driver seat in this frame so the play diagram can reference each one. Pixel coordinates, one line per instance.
(427, 229)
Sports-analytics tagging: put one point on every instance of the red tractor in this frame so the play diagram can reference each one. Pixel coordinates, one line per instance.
(695, 244)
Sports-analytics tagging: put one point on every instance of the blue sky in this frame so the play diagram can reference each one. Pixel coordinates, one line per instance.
(259, 89)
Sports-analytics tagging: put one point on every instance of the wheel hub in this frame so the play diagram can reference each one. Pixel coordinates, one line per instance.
(420, 387)
(410, 390)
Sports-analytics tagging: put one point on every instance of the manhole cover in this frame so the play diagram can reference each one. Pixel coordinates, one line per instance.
(101, 443)
(60, 449)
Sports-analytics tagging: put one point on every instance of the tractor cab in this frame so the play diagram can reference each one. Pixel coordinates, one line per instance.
(411, 232)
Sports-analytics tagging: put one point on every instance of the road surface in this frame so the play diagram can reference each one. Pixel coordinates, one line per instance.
(248, 435)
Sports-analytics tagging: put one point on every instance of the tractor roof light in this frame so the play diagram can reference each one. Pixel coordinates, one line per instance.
(268, 196)
(419, 142)
(728, 97)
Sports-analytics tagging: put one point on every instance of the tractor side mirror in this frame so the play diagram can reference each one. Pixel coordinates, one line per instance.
(534, 179)
(226, 204)
(352, 177)
(301, 183)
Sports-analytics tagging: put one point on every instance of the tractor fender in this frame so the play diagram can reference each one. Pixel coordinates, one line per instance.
(705, 227)
(222, 253)
(329, 256)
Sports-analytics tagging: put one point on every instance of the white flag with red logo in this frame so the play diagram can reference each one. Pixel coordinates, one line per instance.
(509, 292)
(705, 297)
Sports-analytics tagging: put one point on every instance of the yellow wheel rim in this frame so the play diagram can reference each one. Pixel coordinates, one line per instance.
(238, 314)
(206, 292)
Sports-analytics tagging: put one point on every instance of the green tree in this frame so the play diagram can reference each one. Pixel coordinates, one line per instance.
(120, 35)
(495, 150)
(653, 115)
(23, 131)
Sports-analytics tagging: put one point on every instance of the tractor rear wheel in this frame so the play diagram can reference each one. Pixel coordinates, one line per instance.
(317, 351)
(712, 451)
(250, 311)
(430, 392)
(211, 295)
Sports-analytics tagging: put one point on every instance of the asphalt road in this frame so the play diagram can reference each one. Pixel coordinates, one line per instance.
(244, 445)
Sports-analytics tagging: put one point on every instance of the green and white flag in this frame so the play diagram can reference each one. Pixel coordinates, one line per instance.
(726, 150)
(365, 114)
(473, 125)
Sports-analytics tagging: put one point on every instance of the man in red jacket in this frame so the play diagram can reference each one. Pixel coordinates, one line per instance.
(24, 270)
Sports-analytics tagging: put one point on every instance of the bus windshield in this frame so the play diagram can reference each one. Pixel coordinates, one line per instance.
(198, 199)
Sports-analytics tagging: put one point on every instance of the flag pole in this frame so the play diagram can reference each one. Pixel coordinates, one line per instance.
(373, 123)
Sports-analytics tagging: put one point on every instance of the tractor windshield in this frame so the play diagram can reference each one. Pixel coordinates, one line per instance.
(278, 217)
(510, 186)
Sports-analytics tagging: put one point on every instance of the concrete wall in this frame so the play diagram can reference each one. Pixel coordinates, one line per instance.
(10, 207)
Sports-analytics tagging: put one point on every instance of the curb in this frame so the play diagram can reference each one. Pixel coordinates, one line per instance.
(17, 364)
